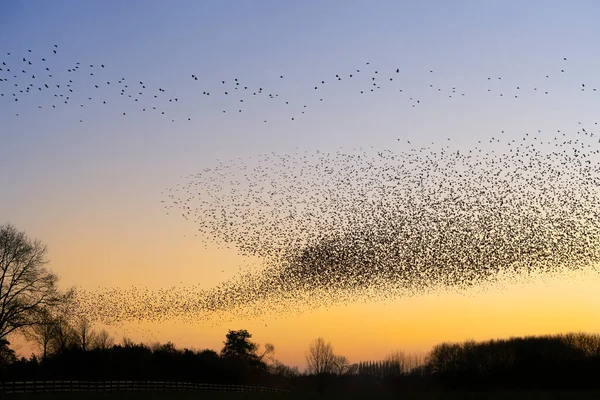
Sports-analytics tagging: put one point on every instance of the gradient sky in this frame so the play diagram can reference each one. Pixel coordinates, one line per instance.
(92, 191)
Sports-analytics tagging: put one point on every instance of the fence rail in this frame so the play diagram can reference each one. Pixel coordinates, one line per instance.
(105, 386)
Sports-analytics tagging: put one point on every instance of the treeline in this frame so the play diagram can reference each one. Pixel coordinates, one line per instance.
(566, 361)
(543, 362)
(239, 362)
(397, 364)
(141, 362)
(552, 362)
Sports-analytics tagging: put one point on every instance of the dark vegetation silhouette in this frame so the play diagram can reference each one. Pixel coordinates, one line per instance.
(552, 362)
(67, 360)
(565, 362)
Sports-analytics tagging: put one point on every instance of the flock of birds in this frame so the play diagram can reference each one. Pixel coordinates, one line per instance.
(364, 225)
(344, 226)
(46, 81)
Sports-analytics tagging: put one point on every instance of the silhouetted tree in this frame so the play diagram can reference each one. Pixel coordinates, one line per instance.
(352, 369)
(400, 363)
(41, 332)
(84, 333)
(341, 365)
(238, 346)
(267, 353)
(103, 340)
(168, 347)
(7, 355)
(320, 357)
(278, 368)
(26, 286)
(127, 342)
(64, 337)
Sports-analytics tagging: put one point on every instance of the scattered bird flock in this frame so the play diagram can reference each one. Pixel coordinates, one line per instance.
(46, 80)
(368, 225)
(356, 225)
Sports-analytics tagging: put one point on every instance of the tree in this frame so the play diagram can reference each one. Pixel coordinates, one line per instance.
(64, 337)
(41, 333)
(320, 357)
(238, 345)
(403, 363)
(444, 357)
(103, 340)
(341, 365)
(353, 369)
(7, 355)
(26, 286)
(84, 333)
(128, 342)
(267, 353)
(168, 347)
(278, 368)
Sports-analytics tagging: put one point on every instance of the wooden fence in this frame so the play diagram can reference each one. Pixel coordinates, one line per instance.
(105, 386)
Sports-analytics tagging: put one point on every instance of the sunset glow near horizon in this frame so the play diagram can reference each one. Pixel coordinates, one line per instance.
(92, 190)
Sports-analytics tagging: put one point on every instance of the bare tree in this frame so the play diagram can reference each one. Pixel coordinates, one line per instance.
(103, 340)
(278, 368)
(320, 357)
(41, 333)
(444, 357)
(51, 329)
(267, 353)
(352, 369)
(404, 363)
(168, 347)
(128, 342)
(64, 336)
(84, 333)
(26, 286)
(341, 365)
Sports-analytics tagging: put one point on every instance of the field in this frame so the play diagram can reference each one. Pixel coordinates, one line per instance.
(500, 395)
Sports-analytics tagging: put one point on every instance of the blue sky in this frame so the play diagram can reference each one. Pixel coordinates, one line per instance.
(47, 153)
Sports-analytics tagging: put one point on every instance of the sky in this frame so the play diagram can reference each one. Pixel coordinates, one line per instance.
(92, 190)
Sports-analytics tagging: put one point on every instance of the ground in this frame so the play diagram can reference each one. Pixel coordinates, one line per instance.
(501, 395)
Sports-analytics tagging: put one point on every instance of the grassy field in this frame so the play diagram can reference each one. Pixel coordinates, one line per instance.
(503, 395)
